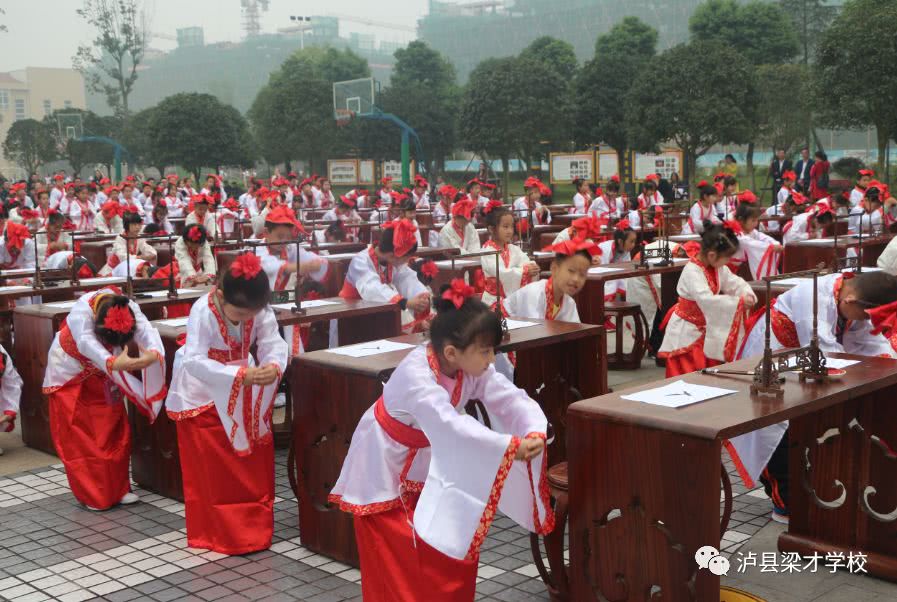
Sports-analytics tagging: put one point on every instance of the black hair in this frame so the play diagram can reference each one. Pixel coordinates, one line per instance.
(729, 181)
(153, 228)
(336, 231)
(560, 258)
(251, 293)
(203, 235)
(79, 262)
(649, 184)
(612, 186)
(873, 195)
(113, 337)
(705, 191)
(417, 265)
(160, 208)
(461, 327)
(730, 156)
(407, 205)
(825, 218)
(746, 211)
(493, 218)
(633, 204)
(620, 237)
(309, 286)
(131, 217)
(471, 184)
(593, 188)
(386, 245)
(56, 218)
(718, 239)
(578, 182)
(821, 155)
(874, 288)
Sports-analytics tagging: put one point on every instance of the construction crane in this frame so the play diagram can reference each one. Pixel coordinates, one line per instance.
(251, 10)
(374, 23)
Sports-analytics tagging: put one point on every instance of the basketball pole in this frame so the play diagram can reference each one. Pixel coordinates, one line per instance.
(406, 159)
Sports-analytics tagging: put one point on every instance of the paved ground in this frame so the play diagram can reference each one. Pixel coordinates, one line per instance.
(51, 548)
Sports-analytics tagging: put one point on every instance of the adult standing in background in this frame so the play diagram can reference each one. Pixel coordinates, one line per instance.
(778, 167)
(819, 178)
(803, 171)
(729, 166)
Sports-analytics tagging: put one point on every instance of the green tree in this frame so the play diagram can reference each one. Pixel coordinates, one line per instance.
(701, 113)
(29, 143)
(555, 54)
(197, 130)
(783, 105)
(137, 139)
(109, 64)
(599, 89)
(80, 154)
(424, 93)
(760, 31)
(809, 18)
(855, 74)
(292, 115)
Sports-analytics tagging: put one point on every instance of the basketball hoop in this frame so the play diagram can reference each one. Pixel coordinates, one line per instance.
(343, 117)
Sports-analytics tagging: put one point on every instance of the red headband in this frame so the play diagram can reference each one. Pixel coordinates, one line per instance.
(403, 239)
(572, 247)
(246, 265)
(285, 216)
(16, 235)
(119, 319)
(458, 292)
(789, 175)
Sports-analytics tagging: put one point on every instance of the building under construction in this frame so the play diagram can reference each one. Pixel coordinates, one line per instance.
(468, 32)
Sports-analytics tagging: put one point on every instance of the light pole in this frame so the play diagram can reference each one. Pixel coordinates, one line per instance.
(303, 23)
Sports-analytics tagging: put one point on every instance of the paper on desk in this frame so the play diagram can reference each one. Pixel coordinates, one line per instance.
(678, 394)
(174, 322)
(98, 280)
(181, 291)
(371, 348)
(790, 281)
(818, 241)
(12, 289)
(306, 304)
(543, 254)
(830, 362)
(865, 269)
(675, 260)
(604, 270)
(339, 256)
(459, 263)
(515, 324)
(61, 304)
(18, 272)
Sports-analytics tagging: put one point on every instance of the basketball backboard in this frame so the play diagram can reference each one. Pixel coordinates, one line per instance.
(71, 125)
(355, 97)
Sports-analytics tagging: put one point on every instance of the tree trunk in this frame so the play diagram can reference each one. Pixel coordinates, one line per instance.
(506, 173)
(750, 165)
(691, 170)
(882, 139)
(621, 161)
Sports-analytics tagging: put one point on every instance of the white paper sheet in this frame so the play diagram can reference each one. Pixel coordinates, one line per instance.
(791, 281)
(371, 348)
(174, 322)
(339, 256)
(446, 264)
(678, 394)
(18, 272)
(99, 280)
(676, 260)
(818, 241)
(515, 324)
(181, 291)
(307, 304)
(604, 270)
(865, 269)
(830, 362)
(61, 304)
(543, 254)
(684, 237)
(13, 289)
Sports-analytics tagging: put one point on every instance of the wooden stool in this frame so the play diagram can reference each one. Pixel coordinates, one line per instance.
(632, 360)
(555, 579)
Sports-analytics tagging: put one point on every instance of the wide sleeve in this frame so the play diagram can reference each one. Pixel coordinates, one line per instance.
(445, 237)
(182, 255)
(724, 313)
(100, 224)
(471, 239)
(120, 248)
(407, 282)
(208, 260)
(75, 212)
(513, 277)
(368, 284)
(148, 249)
(887, 261)
(148, 393)
(468, 468)
(270, 346)
(10, 390)
(697, 223)
(80, 322)
(320, 274)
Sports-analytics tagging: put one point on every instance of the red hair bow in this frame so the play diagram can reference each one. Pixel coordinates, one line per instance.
(733, 226)
(285, 216)
(702, 184)
(623, 224)
(29, 214)
(867, 172)
(119, 319)
(492, 205)
(463, 208)
(747, 197)
(823, 209)
(532, 182)
(691, 248)
(403, 239)
(789, 175)
(458, 292)
(798, 198)
(429, 269)
(110, 209)
(16, 234)
(884, 319)
(572, 247)
(588, 227)
(194, 234)
(246, 265)
(232, 204)
(615, 178)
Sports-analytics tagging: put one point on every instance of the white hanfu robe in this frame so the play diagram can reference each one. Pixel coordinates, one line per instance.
(512, 271)
(696, 217)
(581, 202)
(10, 391)
(23, 259)
(468, 240)
(603, 207)
(534, 216)
(190, 264)
(114, 226)
(797, 229)
(793, 315)
(120, 250)
(757, 250)
(42, 246)
(82, 215)
(888, 258)
(472, 473)
(208, 223)
(532, 301)
(607, 254)
(857, 195)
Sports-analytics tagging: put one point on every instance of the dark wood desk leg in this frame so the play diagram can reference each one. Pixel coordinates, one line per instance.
(33, 337)
(843, 488)
(642, 502)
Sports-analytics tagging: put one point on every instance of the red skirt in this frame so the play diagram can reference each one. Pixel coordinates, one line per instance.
(228, 499)
(89, 426)
(394, 570)
(690, 361)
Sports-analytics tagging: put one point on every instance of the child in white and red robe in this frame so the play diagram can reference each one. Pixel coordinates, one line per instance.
(128, 201)
(443, 209)
(589, 227)
(460, 233)
(53, 239)
(706, 326)
(222, 400)
(703, 210)
(121, 247)
(608, 204)
(864, 177)
(474, 187)
(57, 193)
(201, 210)
(326, 199)
(806, 225)
(385, 192)
(419, 195)
(788, 180)
(174, 202)
(552, 299)
(10, 393)
(761, 252)
(650, 197)
(214, 189)
(529, 211)
(226, 218)
(515, 269)
(845, 303)
(344, 212)
(279, 261)
(382, 274)
(582, 200)
(109, 221)
(16, 247)
(424, 481)
(81, 211)
(616, 250)
(193, 254)
(88, 378)
(728, 201)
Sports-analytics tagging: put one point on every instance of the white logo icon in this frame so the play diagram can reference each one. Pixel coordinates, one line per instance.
(709, 558)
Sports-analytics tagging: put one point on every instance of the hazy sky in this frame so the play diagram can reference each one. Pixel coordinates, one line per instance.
(45, 33)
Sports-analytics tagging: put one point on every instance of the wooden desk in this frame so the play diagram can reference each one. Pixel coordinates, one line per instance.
(331, 392)
(35, 327)
(463, 268)
(96, 252)
(155, 463)
(660, 467)
(805, 255)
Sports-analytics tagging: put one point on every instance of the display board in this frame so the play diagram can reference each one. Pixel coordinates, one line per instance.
(342, 172)
(665, 163)
(608, 165)
(393, 169)
(366, 172)
(566, 167)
